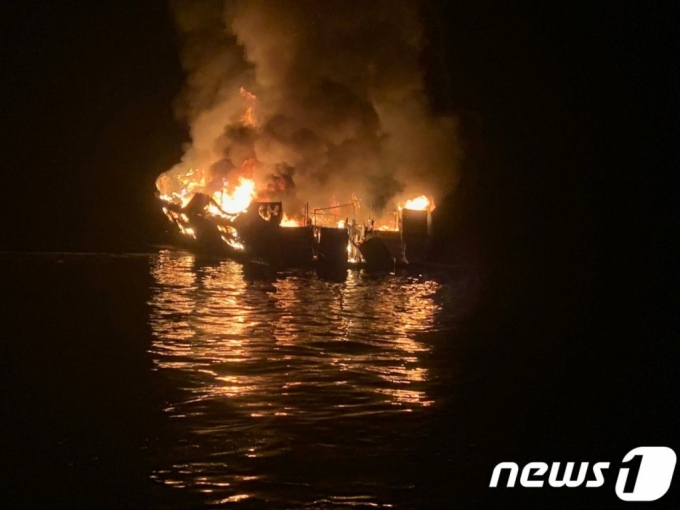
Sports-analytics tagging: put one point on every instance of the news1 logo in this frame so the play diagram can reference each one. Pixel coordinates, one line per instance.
(645, 474)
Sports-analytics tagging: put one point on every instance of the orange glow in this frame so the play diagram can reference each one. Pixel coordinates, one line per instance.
(248, 167)
(181, 187)
(236, 201)
(248, 95)
(421, 203)
(181, 221)
(247, 117)
(290, 222)
(212, 332)
(187, 231)
(237, 245)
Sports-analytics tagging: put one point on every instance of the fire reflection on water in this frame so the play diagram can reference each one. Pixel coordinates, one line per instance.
(263, 366)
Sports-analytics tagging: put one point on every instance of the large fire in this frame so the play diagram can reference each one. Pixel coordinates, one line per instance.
(232, 196)
(230, 199)
(236, 201)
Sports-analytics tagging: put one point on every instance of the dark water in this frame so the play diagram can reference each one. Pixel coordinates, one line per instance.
(166, 381)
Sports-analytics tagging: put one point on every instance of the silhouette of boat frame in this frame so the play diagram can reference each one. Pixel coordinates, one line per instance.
(257, 236)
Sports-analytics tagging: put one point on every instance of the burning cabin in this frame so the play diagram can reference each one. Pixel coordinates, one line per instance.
(261, 233)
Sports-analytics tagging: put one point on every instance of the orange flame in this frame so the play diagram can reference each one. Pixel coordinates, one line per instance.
(290, 222)
(248, 119)
(421, 203)
(179, 188)
(235, 202)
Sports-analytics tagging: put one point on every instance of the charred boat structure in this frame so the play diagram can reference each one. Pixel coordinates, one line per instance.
(262, 234)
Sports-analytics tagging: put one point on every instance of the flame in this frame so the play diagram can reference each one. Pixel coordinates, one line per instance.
(247, 117)
(290, 222)
(237, 245)
(421, 203)
(230, 200)
(190, 182)
(236, 201)
(187, 231)
(248, 95)
(178, 186)
(181, 220)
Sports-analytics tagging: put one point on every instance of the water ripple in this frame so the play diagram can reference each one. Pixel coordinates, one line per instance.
(281, 384)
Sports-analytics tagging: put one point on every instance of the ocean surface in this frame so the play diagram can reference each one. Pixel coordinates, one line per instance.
(163, 380)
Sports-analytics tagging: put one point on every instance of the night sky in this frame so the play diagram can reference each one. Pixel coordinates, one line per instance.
(570, 104)
(88, 115)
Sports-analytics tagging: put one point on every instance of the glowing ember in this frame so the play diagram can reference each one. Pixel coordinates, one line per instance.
(422, 203)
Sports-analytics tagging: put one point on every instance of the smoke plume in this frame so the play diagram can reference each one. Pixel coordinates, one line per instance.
(317, 100)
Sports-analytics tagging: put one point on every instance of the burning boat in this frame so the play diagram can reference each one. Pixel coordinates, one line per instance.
(278, 120)
(233, 207)
(236, 225)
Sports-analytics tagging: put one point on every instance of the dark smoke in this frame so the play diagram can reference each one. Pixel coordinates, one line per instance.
(340, 109)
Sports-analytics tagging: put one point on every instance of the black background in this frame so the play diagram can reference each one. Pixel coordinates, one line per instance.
(572, 105)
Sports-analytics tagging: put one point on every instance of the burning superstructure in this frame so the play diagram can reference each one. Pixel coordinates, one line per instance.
(232, 221)
(303, 123)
